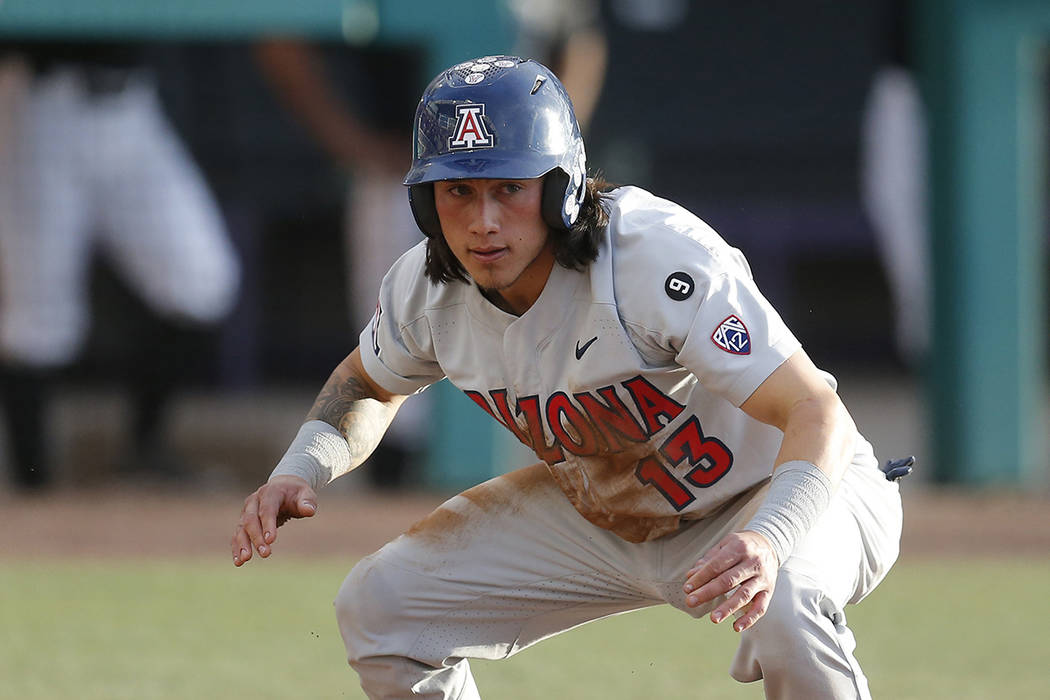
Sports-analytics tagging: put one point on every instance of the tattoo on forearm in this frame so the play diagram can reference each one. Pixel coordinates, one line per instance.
(345, 404)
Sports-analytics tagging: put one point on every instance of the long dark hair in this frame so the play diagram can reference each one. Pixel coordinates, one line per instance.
(574, 249)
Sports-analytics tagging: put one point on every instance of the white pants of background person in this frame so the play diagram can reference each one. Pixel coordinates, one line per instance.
(510, 563)
(101, 172)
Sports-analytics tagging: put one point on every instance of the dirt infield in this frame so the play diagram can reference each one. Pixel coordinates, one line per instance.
(149, 523)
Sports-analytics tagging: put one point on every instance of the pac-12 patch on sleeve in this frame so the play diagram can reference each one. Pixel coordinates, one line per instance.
(732, 336)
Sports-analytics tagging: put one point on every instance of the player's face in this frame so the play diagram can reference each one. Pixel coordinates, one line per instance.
(496, 231)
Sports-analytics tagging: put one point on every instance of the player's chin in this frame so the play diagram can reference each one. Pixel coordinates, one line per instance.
(488, 279)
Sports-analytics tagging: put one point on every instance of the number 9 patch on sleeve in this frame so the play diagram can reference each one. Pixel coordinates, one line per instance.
(679, 286)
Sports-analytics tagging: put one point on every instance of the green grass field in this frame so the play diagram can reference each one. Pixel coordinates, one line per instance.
(201, 629)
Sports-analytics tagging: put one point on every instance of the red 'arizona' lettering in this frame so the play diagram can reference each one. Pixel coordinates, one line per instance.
(607, 425)
(612, 418)
(585, 441)
(603, 425)
(499, 396)
(652, 404)
(477, 398)
(530, 406)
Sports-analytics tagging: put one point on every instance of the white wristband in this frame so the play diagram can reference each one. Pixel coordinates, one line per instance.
(799, 492)
(319, 453)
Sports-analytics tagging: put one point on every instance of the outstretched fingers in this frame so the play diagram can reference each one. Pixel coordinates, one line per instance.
(750, 614)
(269, 507)
(742, 568)
(253, 530)
(248, 531)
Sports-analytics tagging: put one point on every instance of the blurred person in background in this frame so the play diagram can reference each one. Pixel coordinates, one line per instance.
(355, 125)
(92, 166)
(893, 182)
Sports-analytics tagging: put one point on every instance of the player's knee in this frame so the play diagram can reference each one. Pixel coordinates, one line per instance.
(801, 647)
(202, 291)
(783, 639)
(211, 302)
(366, 608)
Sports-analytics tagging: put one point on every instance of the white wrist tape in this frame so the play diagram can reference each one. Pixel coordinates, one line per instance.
(799, 492)
(319, 453)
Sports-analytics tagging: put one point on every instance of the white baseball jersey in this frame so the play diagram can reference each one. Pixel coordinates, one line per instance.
(625, 378)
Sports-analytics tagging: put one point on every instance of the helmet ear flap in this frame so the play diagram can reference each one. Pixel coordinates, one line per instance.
(421, 199)
(553, 199)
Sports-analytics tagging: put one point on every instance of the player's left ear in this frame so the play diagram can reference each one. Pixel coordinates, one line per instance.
(421, 199)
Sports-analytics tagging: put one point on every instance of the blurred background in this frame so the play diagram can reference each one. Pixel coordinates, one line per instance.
(198, 200)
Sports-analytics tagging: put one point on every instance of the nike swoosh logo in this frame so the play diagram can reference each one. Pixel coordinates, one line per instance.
(580, 351)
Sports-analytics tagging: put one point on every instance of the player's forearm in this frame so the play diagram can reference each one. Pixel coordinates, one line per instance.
(347, 421)
(817, 447)
(819, 430)
(583, 72)
(296, 72)
(351, 404)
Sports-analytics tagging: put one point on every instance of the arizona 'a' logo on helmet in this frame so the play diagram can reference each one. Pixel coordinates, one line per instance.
(470, 131)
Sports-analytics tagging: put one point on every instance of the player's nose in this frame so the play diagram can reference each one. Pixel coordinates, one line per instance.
(485, 215)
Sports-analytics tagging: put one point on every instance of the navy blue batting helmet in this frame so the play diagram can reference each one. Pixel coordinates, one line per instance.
(497, 117)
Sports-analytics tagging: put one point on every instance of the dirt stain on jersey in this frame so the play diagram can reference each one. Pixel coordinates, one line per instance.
(439, 525)
(510, 490)
(606, 491)
(480, 508)
(603, 489)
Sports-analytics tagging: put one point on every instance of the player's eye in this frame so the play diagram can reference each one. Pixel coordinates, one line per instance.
(512, 187)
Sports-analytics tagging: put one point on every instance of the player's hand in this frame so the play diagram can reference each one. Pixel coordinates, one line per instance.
(744, 561)
(272, 505)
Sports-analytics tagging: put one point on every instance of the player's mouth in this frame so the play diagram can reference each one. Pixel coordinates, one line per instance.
(488, 254)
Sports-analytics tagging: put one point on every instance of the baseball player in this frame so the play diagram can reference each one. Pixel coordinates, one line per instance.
(691, 453)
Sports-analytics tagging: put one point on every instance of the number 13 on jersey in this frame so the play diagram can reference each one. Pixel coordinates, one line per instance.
(708, 459)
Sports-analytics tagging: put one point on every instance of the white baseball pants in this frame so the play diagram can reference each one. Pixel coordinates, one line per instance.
(510, 562)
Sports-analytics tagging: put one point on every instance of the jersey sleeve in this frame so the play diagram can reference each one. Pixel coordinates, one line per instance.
(736, 339)
(396, 347)
(688, 298)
